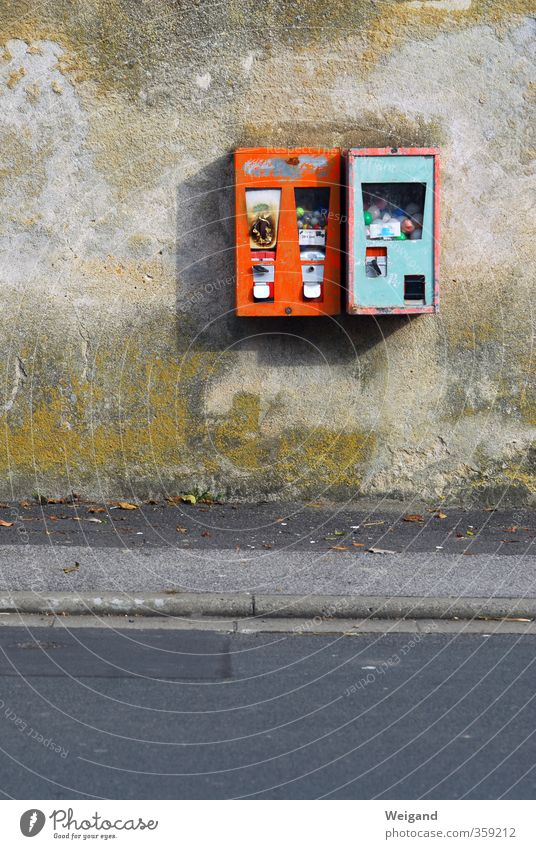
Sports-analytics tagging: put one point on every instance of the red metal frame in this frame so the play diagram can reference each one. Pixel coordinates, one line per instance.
(289, 286)
(388, 151)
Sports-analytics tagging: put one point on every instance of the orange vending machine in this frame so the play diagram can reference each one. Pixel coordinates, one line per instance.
(287, 231)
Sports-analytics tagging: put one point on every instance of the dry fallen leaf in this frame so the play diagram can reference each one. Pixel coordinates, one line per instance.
(415, 517)
(440, 515)
(74, 568)
(25, 503)
(96, 510)
(55, 500)
(205, 533)
(126, 505)
(178, 499)
(511, 530)
(182, 530)
(358, 544)
(504, 619)
(369, 524)
(6, 524)
(380, 551)
(97, 521)
(517, 619)
(339, 547)
(266, 545)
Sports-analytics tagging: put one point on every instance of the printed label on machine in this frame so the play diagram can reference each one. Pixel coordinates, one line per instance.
(312, 237)
(384, 229)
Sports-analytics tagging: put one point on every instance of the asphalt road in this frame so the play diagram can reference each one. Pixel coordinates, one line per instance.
(151, 713)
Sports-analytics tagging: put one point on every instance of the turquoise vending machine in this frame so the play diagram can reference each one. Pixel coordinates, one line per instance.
(393, 231)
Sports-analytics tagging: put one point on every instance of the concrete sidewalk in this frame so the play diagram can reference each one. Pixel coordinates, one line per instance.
(220, 583)
(271, 560)
(42, 568)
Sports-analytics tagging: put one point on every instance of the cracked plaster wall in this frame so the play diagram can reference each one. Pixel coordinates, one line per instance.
(124, 368)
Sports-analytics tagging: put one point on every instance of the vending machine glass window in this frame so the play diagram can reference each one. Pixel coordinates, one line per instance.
(262, 206)
(312, 210)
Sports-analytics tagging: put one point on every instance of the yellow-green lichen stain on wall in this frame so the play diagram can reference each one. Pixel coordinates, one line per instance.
(150, 431)
(124, 365)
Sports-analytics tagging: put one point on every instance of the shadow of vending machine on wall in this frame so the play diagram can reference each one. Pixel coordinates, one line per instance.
(287, 206)
(392, 230)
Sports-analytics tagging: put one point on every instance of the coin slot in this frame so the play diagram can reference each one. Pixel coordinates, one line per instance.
(414, 291)
(376, 263)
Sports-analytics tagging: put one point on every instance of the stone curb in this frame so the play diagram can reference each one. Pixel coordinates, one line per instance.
(144, 604)
(395, 607)
(245, 605)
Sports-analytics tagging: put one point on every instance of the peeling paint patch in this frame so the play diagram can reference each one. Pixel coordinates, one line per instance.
(247, 63)
(442, 5)
(291, 168)
(203, 81)
(15, 76)
(18, 382)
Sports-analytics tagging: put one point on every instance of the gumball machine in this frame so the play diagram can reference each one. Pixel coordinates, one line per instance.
(287, 232)
(392, 230)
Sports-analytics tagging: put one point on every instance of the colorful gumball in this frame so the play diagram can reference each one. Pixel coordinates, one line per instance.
(401, 238)
(374, 211)
(300, 211)
(367, 216)
(386, 216)
(407, 226)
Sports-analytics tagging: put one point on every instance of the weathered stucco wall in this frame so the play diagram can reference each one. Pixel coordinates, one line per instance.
(125, 370)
